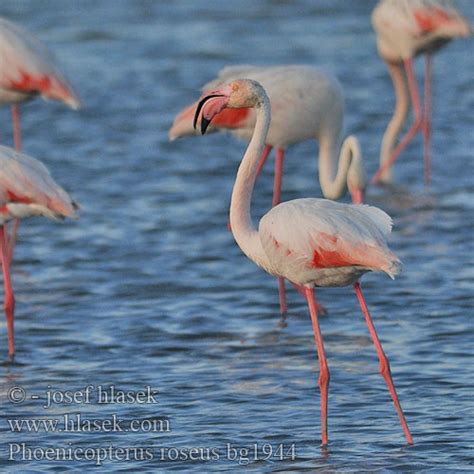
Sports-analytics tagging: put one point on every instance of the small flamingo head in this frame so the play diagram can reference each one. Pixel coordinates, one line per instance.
(242, 93)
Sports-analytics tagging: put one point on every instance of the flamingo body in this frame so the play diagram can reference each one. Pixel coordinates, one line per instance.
(27, 189)
(407, 28)
(317, 242)
(28, 69)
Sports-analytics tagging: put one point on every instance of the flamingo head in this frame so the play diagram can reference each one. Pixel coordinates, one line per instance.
(242, 93)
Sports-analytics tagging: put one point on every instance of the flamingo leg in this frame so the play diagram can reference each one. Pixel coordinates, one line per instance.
(323, 366)
(263, 159)
(427, 120)
(384, 366)
(279, 158)
(9, 299)
(15, 111)
(413, 130)
(321, 310)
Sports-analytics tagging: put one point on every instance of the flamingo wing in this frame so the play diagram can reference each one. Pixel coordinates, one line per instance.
(27, 188)
(320, 234)
(28, 67)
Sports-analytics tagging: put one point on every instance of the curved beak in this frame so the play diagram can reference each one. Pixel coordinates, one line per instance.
(210, 105)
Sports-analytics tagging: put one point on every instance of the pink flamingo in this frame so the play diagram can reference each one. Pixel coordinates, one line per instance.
(311, 242)
(405, 29)
(307, 103)
(28, 70)
(26, 189)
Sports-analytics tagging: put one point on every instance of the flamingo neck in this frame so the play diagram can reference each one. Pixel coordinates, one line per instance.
(245, 234)
(399, 117)
(334, 172)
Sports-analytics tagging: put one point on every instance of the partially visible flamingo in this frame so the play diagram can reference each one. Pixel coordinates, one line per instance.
(26, 189)
(311, 242)
(405, 29)
(27, 70)
(307, 103)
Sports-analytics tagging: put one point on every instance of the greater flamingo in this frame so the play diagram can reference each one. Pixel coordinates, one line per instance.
(311, 242)
(26, 189)
(405, 29)
(307, 103)
(27, 70)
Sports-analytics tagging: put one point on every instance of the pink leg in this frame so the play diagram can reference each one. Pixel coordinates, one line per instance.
(279, 158)
(12, 239)
(9, 299)
(15, 110)
(321, 310)
(16, 126)
(323, 366)
(413, 130)
(384, 364)
(263, 159)
(427, 120)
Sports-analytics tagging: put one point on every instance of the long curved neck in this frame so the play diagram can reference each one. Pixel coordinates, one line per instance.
(333, 171)
(399, 115)
(245, 234)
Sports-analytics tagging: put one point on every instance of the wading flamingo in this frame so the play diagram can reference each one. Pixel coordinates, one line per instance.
(26, 189)
(405, 29)
(307, 103)
(311, 242)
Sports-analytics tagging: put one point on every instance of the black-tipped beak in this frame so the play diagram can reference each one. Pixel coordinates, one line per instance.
(204, 122)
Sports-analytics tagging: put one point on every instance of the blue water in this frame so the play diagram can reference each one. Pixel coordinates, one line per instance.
(148, 289)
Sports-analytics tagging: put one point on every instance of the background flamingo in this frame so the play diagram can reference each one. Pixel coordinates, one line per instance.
(307, 103)
(26, 189)
(28, 69)
(311, 242)
(406, 28)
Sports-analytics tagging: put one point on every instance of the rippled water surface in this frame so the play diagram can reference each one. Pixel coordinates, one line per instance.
(148, 289)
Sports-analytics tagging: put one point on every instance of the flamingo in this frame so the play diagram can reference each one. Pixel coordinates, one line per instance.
(27, 70)
(26, 189)
(313, 100)
(405, 29)
(311, 242)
